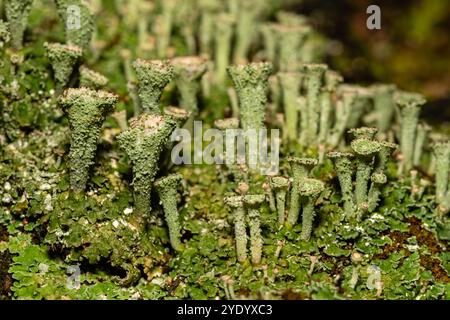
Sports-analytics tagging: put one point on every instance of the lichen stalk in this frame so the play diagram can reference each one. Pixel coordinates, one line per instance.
(143, 143)
(441, 152)
(314, 81)
(344, 169)
(16, 12)
(251, 82)
(290, 87)
(409, 105)
(153, 77)
(167, 191)
(240, 233)
(300, 170)
(86, 110)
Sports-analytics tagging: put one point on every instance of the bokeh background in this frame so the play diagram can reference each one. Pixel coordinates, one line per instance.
(412, 49)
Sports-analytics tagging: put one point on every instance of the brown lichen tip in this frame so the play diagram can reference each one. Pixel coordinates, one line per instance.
(59, 49)
(279, 182)
(254, 199)
(310, 187)
(147, 122)
(91, 78)
(234, 201)
(378, 178)
(309, 162)
(176, 113)
(339, 154)
(363, 132)
(365, 147)
(168, 182)
(389, 145)
(189, 67)
(409, 99)
(227, 123)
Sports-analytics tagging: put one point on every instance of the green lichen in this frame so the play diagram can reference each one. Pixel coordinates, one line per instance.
(363, 133)
(365, 151)
(423, 130)
(153, 77)
(91, 79)
(63, 59)
(378, 179)
(290, 87)
(223, 36)
(291, 39)
(384, 105)
(167, 190)
(300, 168)
(78, 24)
(344, 169)
(327, 103)
(240, 233)
(409, 105)
(280, 185)
(252, 202)
(309, 190)
(314, 74)
(86, 110)
(188, 72)
(143, 143)
(250, 82)
(441, 152)
(16, 13)
(5, 35)
(344, 108)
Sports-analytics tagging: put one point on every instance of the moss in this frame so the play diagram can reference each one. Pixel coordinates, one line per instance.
(86, 110)
(153, 77)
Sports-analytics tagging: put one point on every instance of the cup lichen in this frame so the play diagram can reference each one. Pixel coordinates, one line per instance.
(86, 110)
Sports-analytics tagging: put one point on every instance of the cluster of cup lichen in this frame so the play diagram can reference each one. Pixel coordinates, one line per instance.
(341, 143)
